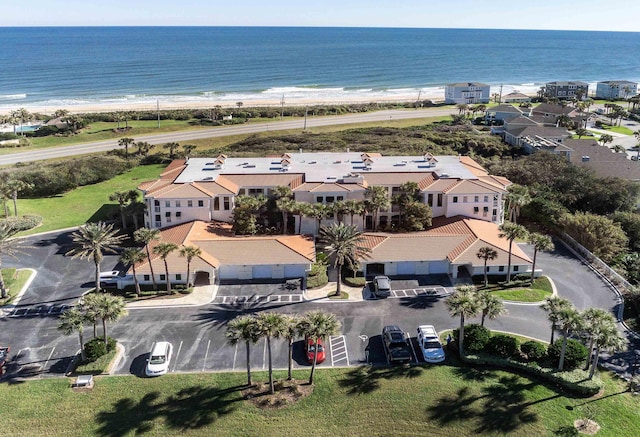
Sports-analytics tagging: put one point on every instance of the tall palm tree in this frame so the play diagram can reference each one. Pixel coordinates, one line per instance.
(517, 197)
(172, 146)
(320, 211)
(190, 252)
(270, 325)
(73, 121)
(285, 203)
(123, 198)
(14, 187)
(490, 305)
(486, 253)
(126, 142)
(318, 325)
(409, 192)
(463, 303)
(568, 321)
(553, 305)
(73, 320)
(290, 331)
(243, 328)
(188, 149)
(345, 244)
(353, 207)
(23, 115)
(539, 242)
(591, 321)
(511, 232)
(163, 250)
(110, 309)
(89, 305)
(605, 139)
(606, 337)
(92, 241)
(132, 256)
(378, 198)
(146, 236)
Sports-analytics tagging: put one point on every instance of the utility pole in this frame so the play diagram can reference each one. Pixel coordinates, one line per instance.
(282, 107)
(305, 119)
(158, 111)
(418, 102)
(500, 98)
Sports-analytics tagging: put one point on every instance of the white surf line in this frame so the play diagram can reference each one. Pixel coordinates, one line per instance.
(175, 362)
(50, 355)
(204, 365)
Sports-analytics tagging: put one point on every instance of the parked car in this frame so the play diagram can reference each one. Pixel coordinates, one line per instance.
(311, 348)
(381, 286)
(110, 278)
(429, 342)
(159, 359)
(396, 346)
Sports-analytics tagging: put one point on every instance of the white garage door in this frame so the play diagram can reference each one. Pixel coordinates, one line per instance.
(438, 267)
(406, 268)
(294, 271)
(262, 272)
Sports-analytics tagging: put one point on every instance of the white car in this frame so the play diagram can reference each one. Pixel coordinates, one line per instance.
(109, 278)
(159, 359)
(429, 343)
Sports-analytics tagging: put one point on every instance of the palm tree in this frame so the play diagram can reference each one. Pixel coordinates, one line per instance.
(73, 320)
(517, 197)
(463, 303)
(92, 241)
(164, 249)
(126, 142)
(344, 243)
(539, 242)
(285, 203)
(146, 236)
(270, 325)
(490, 305)
(352, 207)
(23, 115)
(89, 306)
(320, 211)
(243, 328)
(8, 246)
(486, 253)
(318, 325)
(378, 199)
(606, 337)
(568, 321)
(619, 148)
(605, 139)
(188, 149)
(593, 320)
(553, 305)
(189, 252)
(172, 149)
(301, 209)
(73, 120)
(110, 309)
(123, 197)
(511, 231)
(132, 256)
(290, 331)
(14, 187)
(409, 192)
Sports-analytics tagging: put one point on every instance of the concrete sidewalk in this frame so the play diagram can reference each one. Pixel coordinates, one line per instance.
(200, 295)
(356, 294)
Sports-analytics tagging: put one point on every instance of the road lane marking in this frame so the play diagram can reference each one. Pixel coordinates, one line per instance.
(175, 363)
(204, 365)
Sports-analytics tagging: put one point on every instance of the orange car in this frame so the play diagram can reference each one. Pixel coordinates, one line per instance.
(311, 349)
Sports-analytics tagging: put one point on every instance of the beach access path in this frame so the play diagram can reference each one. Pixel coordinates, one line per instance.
(222, 131)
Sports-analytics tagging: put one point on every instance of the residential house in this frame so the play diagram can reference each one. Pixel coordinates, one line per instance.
(604, 162)
(566, 90)
(501, 113)
(516, 97)
(616, 89)
(467, 93)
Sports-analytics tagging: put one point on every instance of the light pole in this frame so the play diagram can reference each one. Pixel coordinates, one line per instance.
(305, 119)
(282, 107)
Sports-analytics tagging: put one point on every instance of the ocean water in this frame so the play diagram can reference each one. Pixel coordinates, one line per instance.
(60, 67)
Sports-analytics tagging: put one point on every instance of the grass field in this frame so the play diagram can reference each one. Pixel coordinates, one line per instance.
(14, 281)
(618, 129)
(439, 400)
(540, 290)
(84, 204)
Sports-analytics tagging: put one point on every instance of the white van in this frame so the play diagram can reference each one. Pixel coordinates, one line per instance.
(159, 358)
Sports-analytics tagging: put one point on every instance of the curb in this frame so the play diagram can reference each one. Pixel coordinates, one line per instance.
(139, 306)
(18, 297)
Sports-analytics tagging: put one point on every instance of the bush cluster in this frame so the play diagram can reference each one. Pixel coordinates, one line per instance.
(575, 353)
(503, 345)
(358, 281)
(24, 223)
(476, 337)
(95, 348)
(533, 351)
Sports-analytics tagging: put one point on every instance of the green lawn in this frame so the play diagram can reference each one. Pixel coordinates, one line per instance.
(14, 280)
(540, 290)
(618, 129)
(84, 204)
(96, 367)
(437, 400)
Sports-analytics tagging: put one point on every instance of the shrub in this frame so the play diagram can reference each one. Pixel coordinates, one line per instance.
(354, 282)
(23, 223)
(318, 280)
(95, 347)
(534, 351)
(575, 353)
(476, 337)
(503, 345)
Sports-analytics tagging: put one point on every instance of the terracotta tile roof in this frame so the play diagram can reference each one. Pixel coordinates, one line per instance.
(473, 166)
(151, 186)
(213, 188)
(470, 187)
(330, 187)
(441, 185)
(181, 191)
(307, 186)
(174, 169)
(227, 184)
(397, 178)
(262, 180)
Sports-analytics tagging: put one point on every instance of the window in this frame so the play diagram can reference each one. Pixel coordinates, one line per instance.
(158, 217)
(156, 203)
(156, 209)
(200, 203)
(178, 277)
(455, 199)
(330, 199)
(501, 268)
(439, 199)
(158, 224)
(226, 203)
(178, 214)
(515, 268)
(476, 209)
(476, 199)
(216, 204)
(486, 198)
(495, 211)
(146, 277)
(167, 214)
(464, 199)
(255, 191)
(319, 199)
(340, 198)
(189, 203)
(430, 199)
(167, 203)
(177, 204)
(241, 192)
(163, 278)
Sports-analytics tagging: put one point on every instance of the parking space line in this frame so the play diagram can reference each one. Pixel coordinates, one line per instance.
(338, 345)
(204, 365)
(47, 362)
(175, 361)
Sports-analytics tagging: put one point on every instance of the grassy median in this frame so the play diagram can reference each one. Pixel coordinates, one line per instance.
(439, 400)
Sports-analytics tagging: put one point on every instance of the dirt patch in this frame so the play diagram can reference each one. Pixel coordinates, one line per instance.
(286, 393)
(586, 426)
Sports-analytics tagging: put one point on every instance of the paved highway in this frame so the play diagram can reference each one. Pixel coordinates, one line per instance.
(222, 131)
